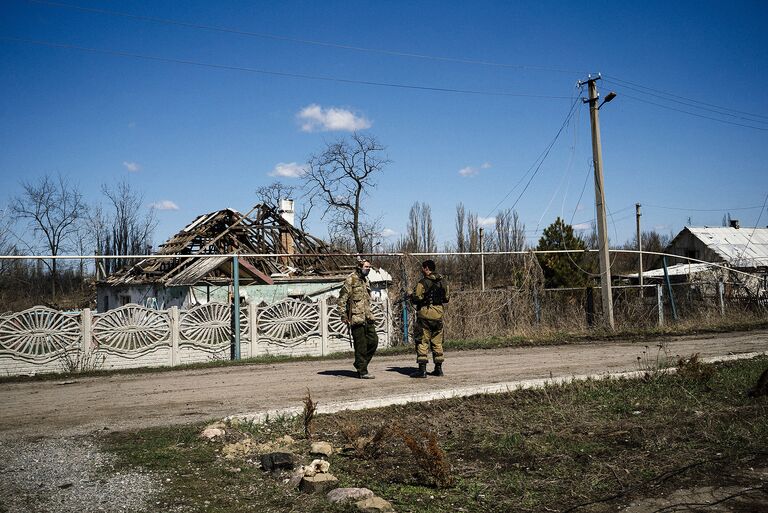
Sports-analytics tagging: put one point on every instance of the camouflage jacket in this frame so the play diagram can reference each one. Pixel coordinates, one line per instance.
(355, 299)
(426, 311)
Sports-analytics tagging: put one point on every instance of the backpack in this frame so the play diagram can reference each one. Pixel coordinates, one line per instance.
(434, 293)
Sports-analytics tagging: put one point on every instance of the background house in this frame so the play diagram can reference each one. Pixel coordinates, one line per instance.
(311, 268)
(733, 247)
(739, 248)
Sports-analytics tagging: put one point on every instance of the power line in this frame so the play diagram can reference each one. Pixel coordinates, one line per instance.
(624, 95)
(701, 209)
(328, 44)
(618, 80)
(691, 104)
(278, 73)
(749, 240)
(540, 159)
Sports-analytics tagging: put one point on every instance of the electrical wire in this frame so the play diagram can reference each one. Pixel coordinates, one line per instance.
(329, 44)
(539, 160)
(566, 172)
(693, 105)
(278, 73)
(625, 95)
(619, 80)
(702, 209)
(757, 223)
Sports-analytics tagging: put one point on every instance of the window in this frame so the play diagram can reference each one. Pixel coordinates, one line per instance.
(124, 299)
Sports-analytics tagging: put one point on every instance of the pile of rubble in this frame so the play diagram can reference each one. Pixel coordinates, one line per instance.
(283, 463)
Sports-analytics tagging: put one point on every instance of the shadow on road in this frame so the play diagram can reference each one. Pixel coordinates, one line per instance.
(339, 373)
(405, 371)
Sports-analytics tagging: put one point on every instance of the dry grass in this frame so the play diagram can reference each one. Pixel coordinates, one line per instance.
(308, 415)
(428, 455)
(365, 445)
(592, 446)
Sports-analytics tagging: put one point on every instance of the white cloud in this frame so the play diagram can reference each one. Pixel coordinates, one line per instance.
(288, 170)
(387, 232)
(582, 226)
(473, 170)
(132, 167)
(486, 221)
(315, 118)
(661, 227)
(165, 205)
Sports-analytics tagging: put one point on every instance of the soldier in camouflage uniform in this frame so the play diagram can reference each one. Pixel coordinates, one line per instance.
(355, 305)
(428, 297)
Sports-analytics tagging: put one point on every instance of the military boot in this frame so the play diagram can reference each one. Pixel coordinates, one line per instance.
(438, 369)
(422, 372)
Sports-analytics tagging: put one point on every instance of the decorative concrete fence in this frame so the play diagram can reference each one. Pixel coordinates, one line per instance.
(40, 339)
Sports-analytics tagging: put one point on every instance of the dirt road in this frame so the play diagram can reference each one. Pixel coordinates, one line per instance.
(124, 402)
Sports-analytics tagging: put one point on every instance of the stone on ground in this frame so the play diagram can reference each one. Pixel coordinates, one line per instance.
(321, 449)
(348, 494)
(319, 483)
(374, 505)
(238, 450)
(278, 461)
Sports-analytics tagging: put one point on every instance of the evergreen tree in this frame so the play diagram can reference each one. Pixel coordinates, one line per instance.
(564, 269)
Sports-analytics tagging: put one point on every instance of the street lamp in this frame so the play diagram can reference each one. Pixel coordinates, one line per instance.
(610, 96)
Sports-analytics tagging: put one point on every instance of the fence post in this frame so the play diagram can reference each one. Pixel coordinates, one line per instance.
(720, 293)
(174, 336)
(322, 304)
(85, 345)
(660, 304)
(669, 288)
(252, 327)
(590, 307)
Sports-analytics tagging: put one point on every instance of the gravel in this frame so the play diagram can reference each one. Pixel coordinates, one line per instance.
(68, 475)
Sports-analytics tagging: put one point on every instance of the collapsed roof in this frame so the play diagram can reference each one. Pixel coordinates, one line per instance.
(262, 231)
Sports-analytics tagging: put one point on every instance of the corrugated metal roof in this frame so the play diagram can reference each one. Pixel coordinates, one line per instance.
(739, 247)
(676, 270)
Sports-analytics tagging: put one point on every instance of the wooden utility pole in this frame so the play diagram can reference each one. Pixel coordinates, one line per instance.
(602, 228)
(639, 244)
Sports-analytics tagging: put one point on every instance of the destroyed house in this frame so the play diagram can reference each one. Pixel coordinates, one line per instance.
(307, 265)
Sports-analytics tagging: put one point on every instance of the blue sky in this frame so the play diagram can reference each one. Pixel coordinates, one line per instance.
(196, 138)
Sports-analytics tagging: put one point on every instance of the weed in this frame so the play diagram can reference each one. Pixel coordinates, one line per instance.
(308, 415)
(367, 446)
(77, 361)
(654, 365)
(429, 456)
(693, 369)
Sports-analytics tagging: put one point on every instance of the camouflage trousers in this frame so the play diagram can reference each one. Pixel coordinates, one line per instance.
(428, 337)
(366, 341)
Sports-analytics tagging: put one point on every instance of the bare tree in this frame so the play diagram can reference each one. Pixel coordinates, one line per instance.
(6, 247)
(272, 194)
(421, 233)
(340, 176)
(52, 207)
(461, 245)
(510, 231)
(473, 233)
(128, 231)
